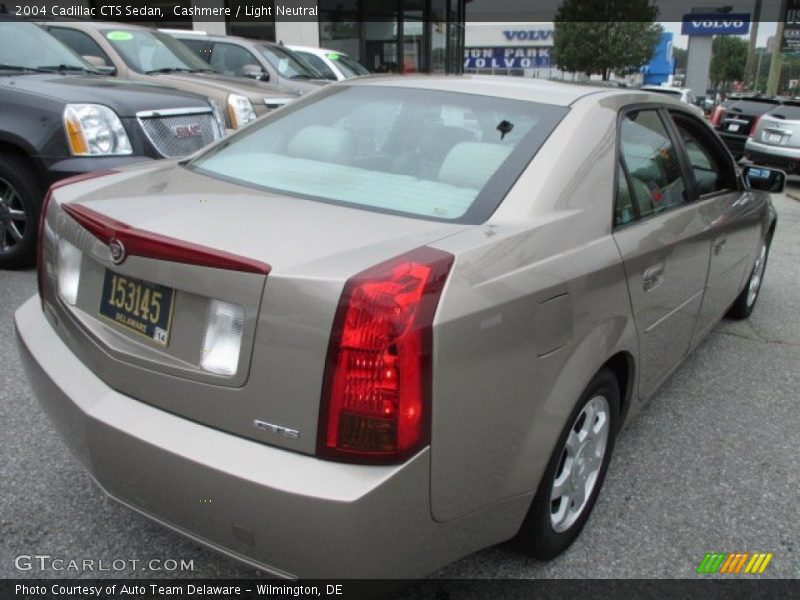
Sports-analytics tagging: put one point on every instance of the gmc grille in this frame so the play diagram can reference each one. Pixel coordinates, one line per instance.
(177, 133)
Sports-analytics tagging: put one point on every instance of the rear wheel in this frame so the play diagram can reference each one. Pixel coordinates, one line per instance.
(20, 201)
(746, 301)
(575, 472)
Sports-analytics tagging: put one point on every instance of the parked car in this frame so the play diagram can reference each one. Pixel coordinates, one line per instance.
(143, 54)
(412, 339)
(775, 138)
(258, 59)
(735, 117)
(332, 64)
(685, 95)
(59, 118)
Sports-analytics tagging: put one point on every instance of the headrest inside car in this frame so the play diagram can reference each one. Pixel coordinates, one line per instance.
(471, 164)
(324, 144)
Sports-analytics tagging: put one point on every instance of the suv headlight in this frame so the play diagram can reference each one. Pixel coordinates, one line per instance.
(95, 130)
(240, 110)
(218, 117)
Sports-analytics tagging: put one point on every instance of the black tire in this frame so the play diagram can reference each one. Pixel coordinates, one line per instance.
(538, 536)
(745, 302)
(19, 192)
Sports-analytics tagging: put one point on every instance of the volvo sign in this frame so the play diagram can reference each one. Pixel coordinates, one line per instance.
(716, 24)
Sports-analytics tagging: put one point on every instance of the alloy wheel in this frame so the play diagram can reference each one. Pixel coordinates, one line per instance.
(13, 219)
(580, 463)
(757, 276)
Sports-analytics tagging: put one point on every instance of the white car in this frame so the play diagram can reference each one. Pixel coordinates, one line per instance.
(334, 65)
(685, 95)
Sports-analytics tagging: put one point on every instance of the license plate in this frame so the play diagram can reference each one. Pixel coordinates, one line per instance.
(774, 138)
(139, 306)
(733, 127)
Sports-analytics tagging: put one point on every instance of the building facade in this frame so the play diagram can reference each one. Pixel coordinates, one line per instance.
(399, 36)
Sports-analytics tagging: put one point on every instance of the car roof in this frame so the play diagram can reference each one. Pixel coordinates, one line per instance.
(664, 88)
(315, 50)
(502, 86)
(189, 33)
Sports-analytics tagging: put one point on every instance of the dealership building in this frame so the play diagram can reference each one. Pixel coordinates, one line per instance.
(384, 35)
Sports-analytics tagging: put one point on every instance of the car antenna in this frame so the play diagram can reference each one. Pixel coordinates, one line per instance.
(504, 127)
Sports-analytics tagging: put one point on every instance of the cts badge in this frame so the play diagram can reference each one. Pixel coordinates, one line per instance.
(278, 429)
(187, 131)
(117, 251)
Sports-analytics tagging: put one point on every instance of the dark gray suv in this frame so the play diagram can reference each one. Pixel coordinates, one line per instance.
(59, 117)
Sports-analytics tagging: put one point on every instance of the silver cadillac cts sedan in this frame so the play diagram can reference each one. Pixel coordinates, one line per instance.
(392, 323)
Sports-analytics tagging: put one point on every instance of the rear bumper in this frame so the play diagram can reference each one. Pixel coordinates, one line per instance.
(287, 513)
(781, 157)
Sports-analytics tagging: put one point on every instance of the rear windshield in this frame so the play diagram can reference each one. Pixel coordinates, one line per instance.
(787, 111)
(436, 155)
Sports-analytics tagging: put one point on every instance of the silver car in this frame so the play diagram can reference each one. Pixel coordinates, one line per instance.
(393, 323)
(775, 140)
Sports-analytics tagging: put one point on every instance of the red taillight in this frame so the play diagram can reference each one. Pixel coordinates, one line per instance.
(754, 126)
(146, 244)
(43, 215)
(377, 386)
(717, 115)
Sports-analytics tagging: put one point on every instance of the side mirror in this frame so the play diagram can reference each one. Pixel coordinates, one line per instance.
(765, 179)
(100, 64)
(254, 72)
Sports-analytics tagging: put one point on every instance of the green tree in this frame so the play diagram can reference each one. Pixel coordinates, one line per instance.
(728, 57)
(597, 37)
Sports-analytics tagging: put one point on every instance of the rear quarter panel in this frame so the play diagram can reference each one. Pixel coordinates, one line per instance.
(536, 303)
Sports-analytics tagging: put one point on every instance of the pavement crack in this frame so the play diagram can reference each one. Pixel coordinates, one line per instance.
(757, 338)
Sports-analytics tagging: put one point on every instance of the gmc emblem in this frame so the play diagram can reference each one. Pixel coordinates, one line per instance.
(187, 131)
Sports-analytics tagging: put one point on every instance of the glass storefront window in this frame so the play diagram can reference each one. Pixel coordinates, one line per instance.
(392, 36)
(262, 29)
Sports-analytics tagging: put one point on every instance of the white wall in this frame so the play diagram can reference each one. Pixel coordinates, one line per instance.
(300, 33)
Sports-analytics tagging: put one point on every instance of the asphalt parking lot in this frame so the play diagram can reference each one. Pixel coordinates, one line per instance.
(712, 464)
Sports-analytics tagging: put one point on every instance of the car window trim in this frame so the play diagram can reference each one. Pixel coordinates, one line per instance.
(634, 206)
(716, 145)
(668, 126)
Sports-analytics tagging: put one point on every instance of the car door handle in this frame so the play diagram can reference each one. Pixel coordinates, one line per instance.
(653, 276)
(718, 245)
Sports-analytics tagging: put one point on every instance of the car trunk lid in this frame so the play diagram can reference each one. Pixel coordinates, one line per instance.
(288, 260)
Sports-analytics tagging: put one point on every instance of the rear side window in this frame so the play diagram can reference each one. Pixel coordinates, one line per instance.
(231, 60)
(79, 42)
(201, 48)
(431, 154)
(790, 112)
(651, 163)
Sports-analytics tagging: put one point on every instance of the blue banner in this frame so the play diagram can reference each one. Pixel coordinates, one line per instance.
(716, 24)
(508, 58)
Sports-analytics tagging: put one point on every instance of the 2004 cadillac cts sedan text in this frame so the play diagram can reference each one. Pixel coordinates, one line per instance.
(394, 322)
